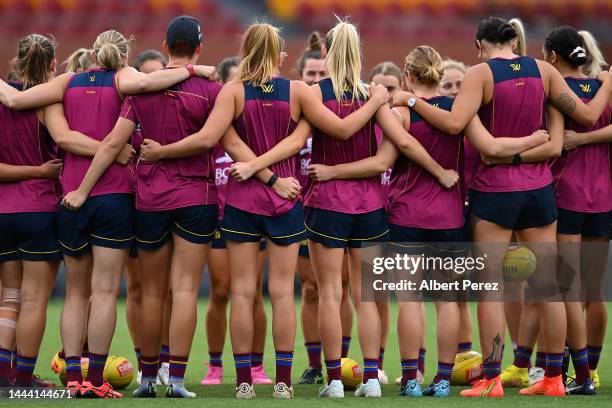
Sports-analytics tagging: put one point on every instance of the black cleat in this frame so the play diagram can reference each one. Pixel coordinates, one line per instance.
(586, 388)
(311, 376)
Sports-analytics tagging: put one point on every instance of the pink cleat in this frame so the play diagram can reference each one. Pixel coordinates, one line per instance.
(259, 375)
(214, 376)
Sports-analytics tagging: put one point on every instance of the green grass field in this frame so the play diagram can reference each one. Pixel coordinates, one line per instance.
(222, 396)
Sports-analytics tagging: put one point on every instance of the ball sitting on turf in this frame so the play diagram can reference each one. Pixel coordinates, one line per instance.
(467, 369)
(351, 373)
(118, 371)
(58, 364)
(519, 264)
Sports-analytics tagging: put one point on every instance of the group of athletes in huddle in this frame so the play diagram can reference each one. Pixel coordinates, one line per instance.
(292, 169)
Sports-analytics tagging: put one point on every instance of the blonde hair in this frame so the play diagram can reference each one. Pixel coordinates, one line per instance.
(521, 39)
(112, 50)
(425, 64)
(343, 60)
(78, 61)
(260, 53)
(595, 59)
(388, 68)
(454, 64)
(35, 53)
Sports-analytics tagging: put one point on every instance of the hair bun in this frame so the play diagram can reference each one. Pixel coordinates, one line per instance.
(506, 32)
(314, 41)
(578, 56)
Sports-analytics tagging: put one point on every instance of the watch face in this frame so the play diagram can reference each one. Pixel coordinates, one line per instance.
(411, 102)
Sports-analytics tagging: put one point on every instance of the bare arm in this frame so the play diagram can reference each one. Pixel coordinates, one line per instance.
(552, 148)
(10, 173)
(131, 81)
(35, 97)
(322, 118)
(572, 139)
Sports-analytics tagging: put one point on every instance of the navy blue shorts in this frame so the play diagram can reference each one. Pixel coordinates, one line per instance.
(29, 236)
(196, 224)
(243, 226)
(340, 230)
(220, 243)
(105, 221)
(516, 210)
(303, 251)
(588, 224)
(433, 242)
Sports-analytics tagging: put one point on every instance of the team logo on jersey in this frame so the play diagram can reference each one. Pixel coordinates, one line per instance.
(346, 89)
(92, 78)
(515, 67)
(435, 105)
(585, 88)
(267, 88)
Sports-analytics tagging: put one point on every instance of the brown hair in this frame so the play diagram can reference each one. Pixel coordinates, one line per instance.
(35, 53)
(313, 51)
(388, 68)
(112, 50)
(425, 64)
(260, 53)
(80, 60)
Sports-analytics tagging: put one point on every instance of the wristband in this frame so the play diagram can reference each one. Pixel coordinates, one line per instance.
(190, 70)
(517, 159)
(272, 180)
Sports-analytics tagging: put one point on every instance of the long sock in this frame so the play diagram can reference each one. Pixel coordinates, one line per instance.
(554, 362)
(243, 368)
(256, 359)
(85, 351)
(522, 357)
(178, 366)
(346, 344)
(138, 357)
(215, 359)
(370, 369)
(540, 359)
(95, 372)
(580, 359)
(381, 358)
(61, 354)
(73, 369)
(24, 370)
(5, 364)
(333, 370)
(164, 354)
(409, 370)
(150, 365)
(421, 360)
(284, 360)
(464, 347)
(444, 371)
(491, 369)
(594, 353)
(314, 354)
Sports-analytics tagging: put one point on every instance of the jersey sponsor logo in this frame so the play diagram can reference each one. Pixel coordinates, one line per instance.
(267, 88)
(515, 67)
(92, 78)
(585, 88)
(304, 164)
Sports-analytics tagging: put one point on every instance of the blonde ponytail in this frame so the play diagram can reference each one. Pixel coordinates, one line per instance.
(343, 61)
(112, 50)
(260, 53)
(35, 53)
(425, 64)
(595, 59)
(79, 61)
(521, 39)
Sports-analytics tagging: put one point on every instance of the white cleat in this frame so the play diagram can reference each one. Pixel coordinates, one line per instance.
(335, 389)
(371, 389)
(163, 374)
(536, 374)
(282, 391)
(245, 391)
(382, 377)
(139, 378)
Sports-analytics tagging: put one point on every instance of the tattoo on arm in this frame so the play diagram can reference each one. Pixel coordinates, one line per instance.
(565, 104)
(496, 354)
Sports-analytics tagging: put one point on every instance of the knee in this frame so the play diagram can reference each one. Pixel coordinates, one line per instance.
(310, 293)
(220, 297)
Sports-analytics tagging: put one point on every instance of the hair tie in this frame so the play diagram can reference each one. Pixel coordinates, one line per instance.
(579, 52)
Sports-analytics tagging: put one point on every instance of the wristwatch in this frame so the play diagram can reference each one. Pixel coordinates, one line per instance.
(411, 102)
(517, 159)
(190, 69)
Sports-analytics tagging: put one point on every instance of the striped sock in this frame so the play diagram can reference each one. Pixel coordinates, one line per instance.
(381, 358)
(95, 371)
(284, 360)
(256, 359)
(24, 370)
(243, 368)
(465, 346)
(370, 369)
(138, 357)
(333, 370)
(178, 366)
(73, 369)
(5, 364)
(522, 357)
(314, 354)
(580, 359)
(346, 344)
(444, 371)
(421, 360)
(540, 359)
(409, 370)
(593, 353)
(554, 362)
(150, 365)
(164, 354)
(215, 359)
(491, 369)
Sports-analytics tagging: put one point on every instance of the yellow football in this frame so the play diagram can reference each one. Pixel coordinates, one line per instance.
(519, 264)
(467, 369)
(351, 373)
(118, 371)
